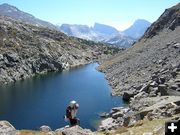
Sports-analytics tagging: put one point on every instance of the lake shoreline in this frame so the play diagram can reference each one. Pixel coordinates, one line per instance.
(89, 70)
(46, 72)
(112, 121)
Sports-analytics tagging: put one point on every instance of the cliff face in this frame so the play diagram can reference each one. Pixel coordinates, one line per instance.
(27, 50)
(132, 68)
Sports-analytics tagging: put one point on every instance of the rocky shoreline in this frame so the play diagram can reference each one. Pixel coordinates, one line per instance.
(7, 129)
(158, 98)
(153, 100)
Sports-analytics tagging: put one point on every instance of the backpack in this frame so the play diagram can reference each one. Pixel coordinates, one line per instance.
(68, 112)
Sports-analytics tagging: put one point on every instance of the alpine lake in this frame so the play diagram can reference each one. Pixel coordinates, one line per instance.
(42, 100)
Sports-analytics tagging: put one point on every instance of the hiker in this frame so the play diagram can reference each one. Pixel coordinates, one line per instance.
(71, 113)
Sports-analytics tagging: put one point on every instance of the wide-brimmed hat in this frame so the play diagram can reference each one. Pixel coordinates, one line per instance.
(72, 103)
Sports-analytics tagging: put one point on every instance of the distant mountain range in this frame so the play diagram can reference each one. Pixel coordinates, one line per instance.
(99, 32)
(107, 34)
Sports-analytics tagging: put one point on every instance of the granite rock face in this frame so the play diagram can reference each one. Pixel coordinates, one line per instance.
(7, 129)
(75, 130)
(45, 129)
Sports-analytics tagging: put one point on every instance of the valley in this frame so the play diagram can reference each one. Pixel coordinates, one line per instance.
(145, 75)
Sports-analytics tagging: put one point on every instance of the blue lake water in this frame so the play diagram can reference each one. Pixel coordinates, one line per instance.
(42, 100)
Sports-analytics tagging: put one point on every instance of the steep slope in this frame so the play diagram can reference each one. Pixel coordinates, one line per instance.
(170, 19)
(137, 29)
(160, 53)
(26, 50)
(148, 77)
(15, 13)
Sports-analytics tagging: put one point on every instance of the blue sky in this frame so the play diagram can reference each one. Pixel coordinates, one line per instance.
(117, 13)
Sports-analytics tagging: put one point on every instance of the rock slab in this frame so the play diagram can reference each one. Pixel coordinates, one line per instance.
(75, 130)
(7, 129)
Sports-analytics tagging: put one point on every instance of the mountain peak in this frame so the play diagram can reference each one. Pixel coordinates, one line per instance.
(141, 21)
(137, 29)
(6, 6)
(75, 29)
(105, 29)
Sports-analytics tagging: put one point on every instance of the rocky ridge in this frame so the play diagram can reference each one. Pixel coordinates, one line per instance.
(108, 34)
(27, 50)
(170, 19)
(15, 13)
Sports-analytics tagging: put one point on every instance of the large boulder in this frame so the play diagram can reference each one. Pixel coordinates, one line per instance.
(108, 124)
(1, 57)
(104, 115)
(154, 84)
(117, 114)
(116, 109)
(12, 57)
(145, 88)
(163, 89)
(162, 80)
(45, 129)
(173, 73)
(7, 129)
(176, 110)
(126, 121)
(127, 95)
(176, 46)
(174, 87)
(75, 130)
(177, 80)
